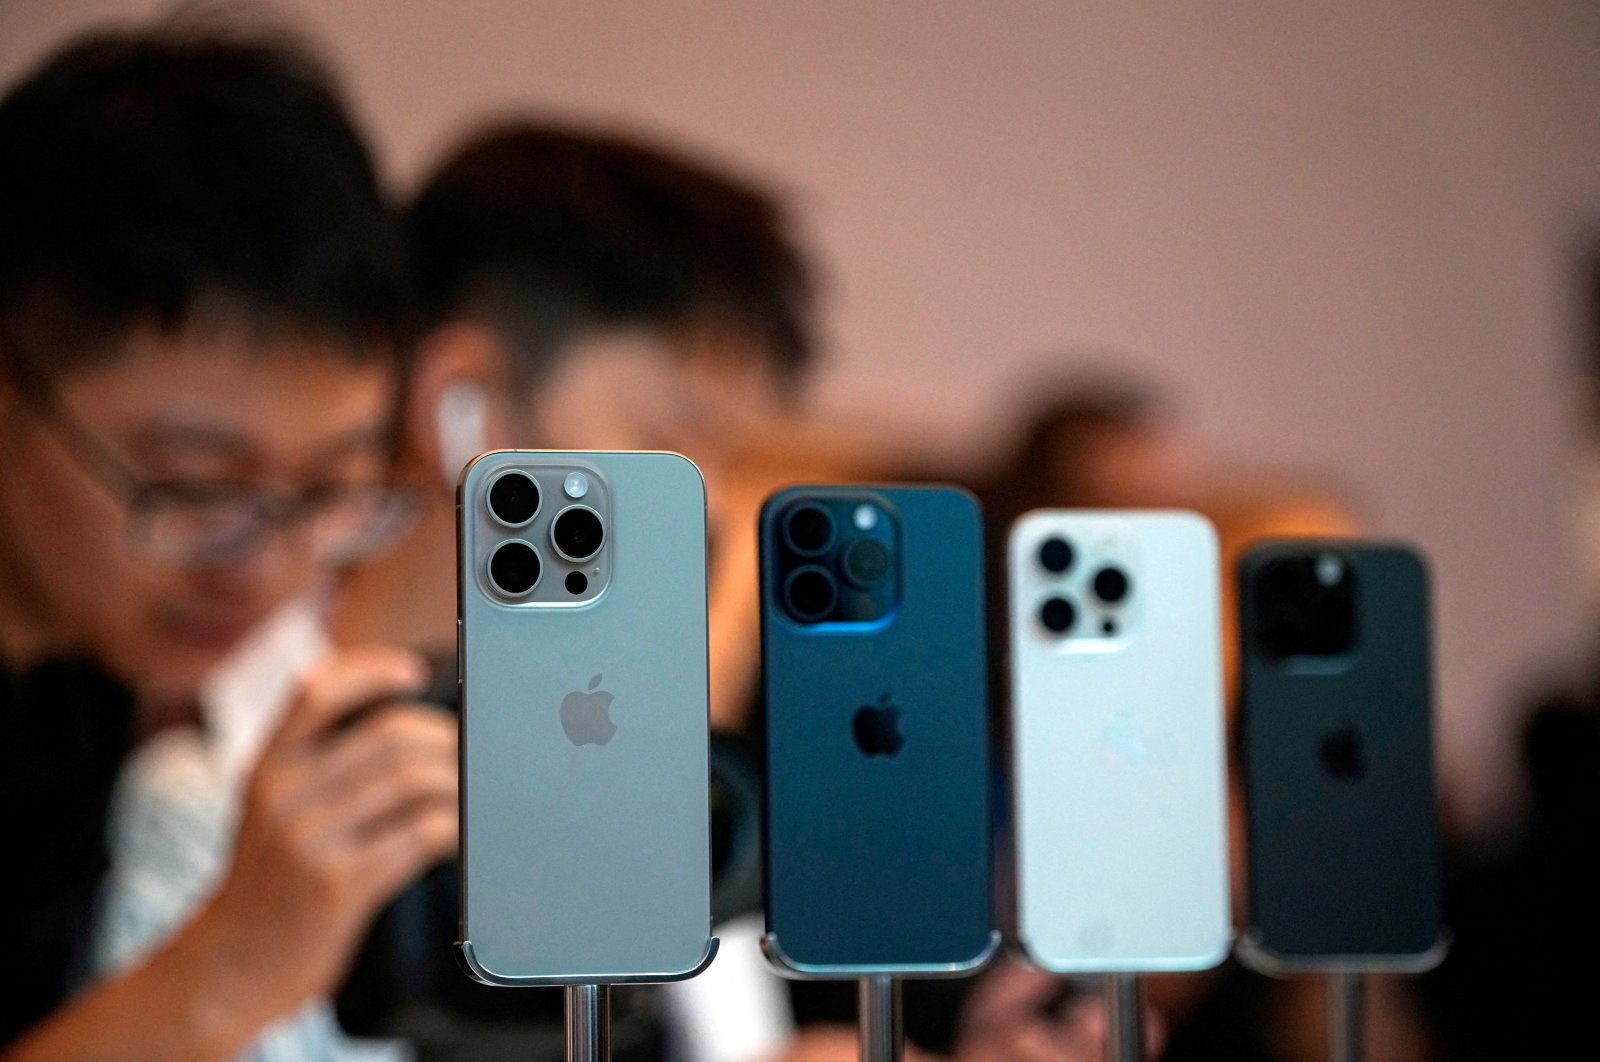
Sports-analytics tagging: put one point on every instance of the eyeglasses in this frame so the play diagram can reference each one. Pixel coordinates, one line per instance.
(200, 524)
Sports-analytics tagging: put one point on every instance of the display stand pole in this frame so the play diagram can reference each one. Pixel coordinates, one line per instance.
(1346, 1017)
(882, 1035)
(1124, 1018)
(588, 1011)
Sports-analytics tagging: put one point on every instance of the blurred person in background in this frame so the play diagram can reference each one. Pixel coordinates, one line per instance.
(197, 372)
(1518, 979)
(586, 290)
(1092, 438)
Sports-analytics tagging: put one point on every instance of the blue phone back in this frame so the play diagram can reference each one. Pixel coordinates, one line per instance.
(881, 862)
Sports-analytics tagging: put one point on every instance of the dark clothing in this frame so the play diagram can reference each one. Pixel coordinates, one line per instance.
(1230, 1024)
(1519, 979)
(65, 729)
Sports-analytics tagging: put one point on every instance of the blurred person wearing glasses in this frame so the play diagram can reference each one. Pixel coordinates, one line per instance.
(588, 289)
(197, 379)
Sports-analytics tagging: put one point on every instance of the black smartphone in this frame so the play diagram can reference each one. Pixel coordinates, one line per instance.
(877, 783)
(1337, 753)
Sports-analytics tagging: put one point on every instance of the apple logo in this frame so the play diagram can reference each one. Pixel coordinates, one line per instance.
(1343, 753)
(1123, 743)
(877, 728)
(584, 718)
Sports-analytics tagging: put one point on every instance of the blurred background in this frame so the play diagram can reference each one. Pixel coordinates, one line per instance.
(1354, 242)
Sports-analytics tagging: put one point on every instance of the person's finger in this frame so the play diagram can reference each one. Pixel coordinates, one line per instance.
(343, 684)
(1081, 1030)
(372, 802)
(1155, 1034)
(384, 803)
(1009, 993)
(393, 857)
(378, 743)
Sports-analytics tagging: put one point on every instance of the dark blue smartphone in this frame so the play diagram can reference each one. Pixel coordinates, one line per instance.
(877, 783)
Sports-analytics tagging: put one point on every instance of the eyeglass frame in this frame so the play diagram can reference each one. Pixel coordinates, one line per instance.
(271, 511)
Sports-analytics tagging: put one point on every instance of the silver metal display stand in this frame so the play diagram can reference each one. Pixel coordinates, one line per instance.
(883, 1036)
(1346, 1017)
(588, 1012)
(1124, 1018)
(882, 1033)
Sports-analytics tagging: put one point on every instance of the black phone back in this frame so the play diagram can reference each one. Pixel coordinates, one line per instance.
(877, 840)
(1337, 747)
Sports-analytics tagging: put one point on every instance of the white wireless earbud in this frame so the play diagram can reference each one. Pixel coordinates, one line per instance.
(459, 423)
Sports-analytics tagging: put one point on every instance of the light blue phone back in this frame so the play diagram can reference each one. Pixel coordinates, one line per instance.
(591, 862)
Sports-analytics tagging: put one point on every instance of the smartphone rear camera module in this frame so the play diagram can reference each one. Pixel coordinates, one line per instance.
(1055, 555)
(514, 498)
(810, 594)
(1304, 605)
(514, 568)
(1057, 615)
(1111, 585)
(865, 563)
(577, 532)
(808, 530)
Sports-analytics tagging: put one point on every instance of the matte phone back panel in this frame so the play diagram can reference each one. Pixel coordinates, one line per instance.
(1338, 770)
(881, 862)
(1117, 745)
(589, 862)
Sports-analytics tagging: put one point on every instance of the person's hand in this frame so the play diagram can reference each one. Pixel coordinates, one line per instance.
(1016, 1014)
(346, 806)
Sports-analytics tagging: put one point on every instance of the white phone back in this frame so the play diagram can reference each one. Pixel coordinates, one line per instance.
(1118, 747)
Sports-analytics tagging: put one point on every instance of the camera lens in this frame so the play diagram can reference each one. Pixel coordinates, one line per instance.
(1057, 615)
(810, 593)
(1111, 585)
(514, 568)
(866, 562)
(577, 532)
(809, 529)
(1055, 555)
(577, 582)
(514, 498)
(1304, 605)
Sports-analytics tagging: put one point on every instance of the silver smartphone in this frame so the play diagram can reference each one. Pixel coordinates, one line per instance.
(585, 837)
(1118, 746)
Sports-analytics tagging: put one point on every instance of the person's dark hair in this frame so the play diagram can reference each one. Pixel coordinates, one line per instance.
(546, 231)
(145, 172)
(1061, 424)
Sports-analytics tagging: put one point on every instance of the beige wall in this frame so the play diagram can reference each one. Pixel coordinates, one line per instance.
(1342, 232)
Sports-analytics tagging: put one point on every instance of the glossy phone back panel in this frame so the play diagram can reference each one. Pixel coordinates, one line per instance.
(585, 861)
(1117, 742)
(880, 861)
(1343, 845)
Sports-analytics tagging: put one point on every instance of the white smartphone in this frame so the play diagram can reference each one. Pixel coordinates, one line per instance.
(585, 837)
(1118, 747)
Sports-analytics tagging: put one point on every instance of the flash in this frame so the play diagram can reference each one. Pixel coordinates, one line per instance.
(1329, 570)
(865, 518)
(577, 484)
